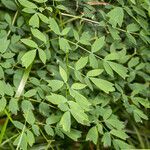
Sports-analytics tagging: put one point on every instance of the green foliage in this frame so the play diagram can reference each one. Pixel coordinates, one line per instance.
(74, 74)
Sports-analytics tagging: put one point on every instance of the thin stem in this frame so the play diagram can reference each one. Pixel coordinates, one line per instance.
(80, 17)
(13, 22)
(97, 3)
(84, 49)
(6, 141)
(92, 21)
(67, 67)
(21, 136)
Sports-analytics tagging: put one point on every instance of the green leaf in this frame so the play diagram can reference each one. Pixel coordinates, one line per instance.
(65, 31)
(30, 138)
(40, 1)
(18, 125)
(116, 16)
(21, 141)
(1, 73)
(107, 114)
(8, 19)
(81, 63)
(43, 18)
(114, 33)
(78, 75)
(54, 26)
(100, 128)
(76, 35)
(13, 106)
(28, 58)
(65, 121)
(78, 86)
(106, 139)
(9, 4)
(39, 35)
(119, 69)
(49, 130)
(44, 109)
(131, 38)
(27, 4)
(85, 38)
(9, 90)
(35, 129)
(114, 122)
(63, 107)
(98, 44)
(92, 135)
(26, 106)
(29, 10)
(4, 43)
(88, 82)
(56, 99)
(42, 55)
(64, 45)
(93, 61)
(142, 101)
(73, 134)
(95, 72)
(112, 56)
(78, 113)
(139, 113)
(34, 21)
(139, 11)
(62, 7)
(53, 119)
(29, 43)
(104, 85)
(63, 74)
(133, 27)
(133, 1)
(108, 68)
(81, 100)
(119, 133)
(3, 103)
(30, 93)
(121, 144)
(55, 84)
(29, 116)
(133, 62)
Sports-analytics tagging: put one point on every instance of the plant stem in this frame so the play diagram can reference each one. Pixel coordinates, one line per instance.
(13, 22)
(84, 49)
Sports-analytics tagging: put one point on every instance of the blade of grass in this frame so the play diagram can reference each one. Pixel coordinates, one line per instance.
(139, 137)
(23, 82)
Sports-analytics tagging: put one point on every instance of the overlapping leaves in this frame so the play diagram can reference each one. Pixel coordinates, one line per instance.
(86, 74)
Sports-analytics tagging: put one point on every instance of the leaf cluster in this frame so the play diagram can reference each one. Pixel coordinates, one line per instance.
(74, 74)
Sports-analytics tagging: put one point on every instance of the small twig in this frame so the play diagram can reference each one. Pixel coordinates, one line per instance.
(97, 3)
(80, 17)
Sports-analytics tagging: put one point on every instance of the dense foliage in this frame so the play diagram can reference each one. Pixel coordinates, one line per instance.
(74, 74)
